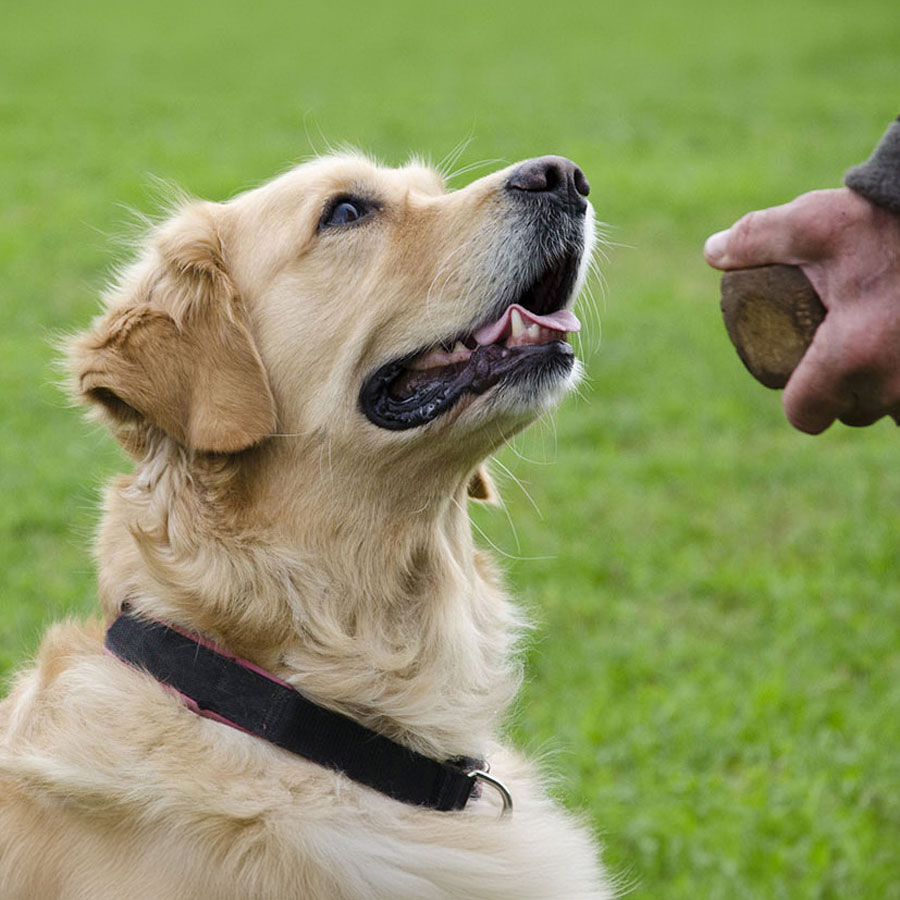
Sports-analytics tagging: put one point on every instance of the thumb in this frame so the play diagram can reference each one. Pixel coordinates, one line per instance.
(780, 234)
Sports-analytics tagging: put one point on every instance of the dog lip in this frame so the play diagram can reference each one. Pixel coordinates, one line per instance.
(487, 366)
(415, 389)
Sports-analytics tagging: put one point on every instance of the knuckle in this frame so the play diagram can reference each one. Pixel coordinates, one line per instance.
(823, 217)
(807, 210)
(743, 238)
(860, 418)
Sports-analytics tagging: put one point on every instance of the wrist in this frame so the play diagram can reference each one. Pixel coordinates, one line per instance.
(878, 179)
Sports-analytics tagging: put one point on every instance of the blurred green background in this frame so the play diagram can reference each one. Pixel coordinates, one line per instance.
(716, 675)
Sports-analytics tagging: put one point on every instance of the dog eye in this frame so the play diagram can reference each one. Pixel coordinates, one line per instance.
(345, 211)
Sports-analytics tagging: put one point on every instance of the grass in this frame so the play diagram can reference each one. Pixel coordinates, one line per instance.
(716, 677)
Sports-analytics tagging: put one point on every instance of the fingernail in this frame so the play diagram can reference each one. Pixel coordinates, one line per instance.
(714, 248)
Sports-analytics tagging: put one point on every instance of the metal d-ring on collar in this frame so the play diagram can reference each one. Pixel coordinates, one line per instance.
(478, 775)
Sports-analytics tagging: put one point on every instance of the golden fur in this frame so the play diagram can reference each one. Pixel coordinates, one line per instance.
(265, 513)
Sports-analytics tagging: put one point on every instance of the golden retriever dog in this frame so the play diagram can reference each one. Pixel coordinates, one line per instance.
(309, 378)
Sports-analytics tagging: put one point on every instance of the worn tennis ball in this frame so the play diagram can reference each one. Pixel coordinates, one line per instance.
(771, 314)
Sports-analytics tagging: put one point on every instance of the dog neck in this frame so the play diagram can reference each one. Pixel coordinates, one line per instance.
(374, 603)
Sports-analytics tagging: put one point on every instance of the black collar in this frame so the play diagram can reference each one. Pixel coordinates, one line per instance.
(237, 693)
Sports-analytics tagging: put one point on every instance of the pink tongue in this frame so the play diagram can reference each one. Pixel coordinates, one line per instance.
(562, 320)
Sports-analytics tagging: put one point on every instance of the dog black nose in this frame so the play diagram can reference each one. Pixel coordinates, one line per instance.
(551, 175)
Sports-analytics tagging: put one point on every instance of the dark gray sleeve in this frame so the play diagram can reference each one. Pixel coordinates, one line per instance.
(878, 179)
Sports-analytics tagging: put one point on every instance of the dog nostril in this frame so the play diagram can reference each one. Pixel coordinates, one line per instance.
(582, 185)
(553, 178)
(549, 174)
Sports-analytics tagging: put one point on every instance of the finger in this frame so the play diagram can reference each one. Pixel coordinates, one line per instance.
(870, 406)
(860, 418)
(817, 394)
(791, 233)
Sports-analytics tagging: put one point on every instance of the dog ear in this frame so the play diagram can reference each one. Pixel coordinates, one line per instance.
(481, 487)
(177, 351)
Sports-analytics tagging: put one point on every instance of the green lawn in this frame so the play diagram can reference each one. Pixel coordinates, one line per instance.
(716, 676)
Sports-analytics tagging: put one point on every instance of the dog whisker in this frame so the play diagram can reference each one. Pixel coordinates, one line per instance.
(473, 167)
(445, 166)
(496, 549)
(520, 485)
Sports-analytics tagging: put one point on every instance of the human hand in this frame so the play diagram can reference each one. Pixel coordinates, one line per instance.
(850, 251)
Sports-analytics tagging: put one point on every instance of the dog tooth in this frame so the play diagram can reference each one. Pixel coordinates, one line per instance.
(460, 347)
(517, 323)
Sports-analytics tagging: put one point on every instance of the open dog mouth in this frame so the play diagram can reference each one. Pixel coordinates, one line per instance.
(530, 335)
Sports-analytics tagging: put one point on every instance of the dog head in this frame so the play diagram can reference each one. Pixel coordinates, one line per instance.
(348, 302)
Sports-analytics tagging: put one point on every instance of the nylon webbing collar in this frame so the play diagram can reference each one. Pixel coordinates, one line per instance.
(237, 693)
